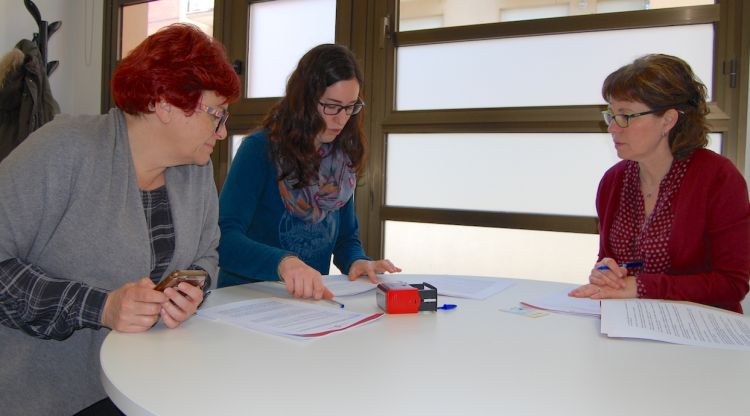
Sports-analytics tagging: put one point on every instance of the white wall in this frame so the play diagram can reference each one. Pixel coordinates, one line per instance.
(76, 84)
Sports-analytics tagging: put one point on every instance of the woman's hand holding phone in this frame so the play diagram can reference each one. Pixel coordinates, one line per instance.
(134, 307)
(137, 306)
(181, 303)
(184, 291)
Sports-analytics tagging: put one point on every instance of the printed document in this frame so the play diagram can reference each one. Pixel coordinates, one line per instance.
(561, 302)
(340, 285)
(676, 322)
(470, 287)
(286, 317)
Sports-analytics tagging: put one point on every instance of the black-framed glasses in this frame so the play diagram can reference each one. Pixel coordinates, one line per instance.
(217, 113)
(623, 120)
(333, 109)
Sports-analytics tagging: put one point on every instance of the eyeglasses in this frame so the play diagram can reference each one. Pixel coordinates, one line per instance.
(623, 120)
(217, 113)
(333, 109)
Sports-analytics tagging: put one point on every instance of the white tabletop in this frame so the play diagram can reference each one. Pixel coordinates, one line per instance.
(473, 360)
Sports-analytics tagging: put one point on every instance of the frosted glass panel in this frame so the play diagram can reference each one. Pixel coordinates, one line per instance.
(144, 19)
(609, 6)
(281, 31)
(479, 251)
(235, 142)
(444, 13)
(528, 13)
(539, 70)
(543, 173)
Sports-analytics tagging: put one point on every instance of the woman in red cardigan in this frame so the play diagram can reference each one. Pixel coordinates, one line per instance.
(674, 218)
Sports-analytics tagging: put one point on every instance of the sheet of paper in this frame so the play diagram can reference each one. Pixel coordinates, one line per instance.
(676, 322)
(340, 285)
(561, 302)
(286, 317)
(470, 287)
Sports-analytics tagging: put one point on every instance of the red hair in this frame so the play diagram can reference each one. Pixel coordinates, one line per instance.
(175, 64)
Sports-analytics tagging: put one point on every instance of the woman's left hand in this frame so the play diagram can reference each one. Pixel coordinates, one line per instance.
(595, 291)
(371, 268)
(182, 304)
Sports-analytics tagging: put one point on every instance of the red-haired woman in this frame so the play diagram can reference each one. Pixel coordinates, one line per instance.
(96, 209)
(678, 214)
(287, 205)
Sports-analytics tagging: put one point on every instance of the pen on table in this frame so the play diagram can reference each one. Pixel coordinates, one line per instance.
(341, 305)
(626, 265)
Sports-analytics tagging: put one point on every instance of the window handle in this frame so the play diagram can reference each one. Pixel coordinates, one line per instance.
(386, 32)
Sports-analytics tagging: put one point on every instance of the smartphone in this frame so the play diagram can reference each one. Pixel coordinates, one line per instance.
(194, 277)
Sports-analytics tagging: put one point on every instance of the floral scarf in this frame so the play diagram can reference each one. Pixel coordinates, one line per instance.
(336, 183)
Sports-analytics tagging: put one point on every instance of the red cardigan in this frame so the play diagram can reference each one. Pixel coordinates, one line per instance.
(710, 242)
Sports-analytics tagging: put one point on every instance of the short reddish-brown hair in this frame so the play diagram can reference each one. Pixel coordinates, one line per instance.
(175, 64)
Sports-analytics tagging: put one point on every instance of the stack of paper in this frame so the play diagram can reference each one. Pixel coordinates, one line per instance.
(470, 287)
(561, 302)
(676, 322)
(286, 317)
(340, 285)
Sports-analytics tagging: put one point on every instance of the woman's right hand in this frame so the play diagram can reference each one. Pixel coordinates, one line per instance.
(608, 273)
(301, 280)
(134, 307)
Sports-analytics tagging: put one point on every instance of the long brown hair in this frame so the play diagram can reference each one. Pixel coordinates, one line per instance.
(663, 82)
(294, 122)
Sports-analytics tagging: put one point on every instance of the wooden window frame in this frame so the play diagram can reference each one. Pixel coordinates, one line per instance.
(728, 108)
(366, 26)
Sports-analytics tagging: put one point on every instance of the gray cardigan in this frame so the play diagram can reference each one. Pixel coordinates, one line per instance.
(70, 205)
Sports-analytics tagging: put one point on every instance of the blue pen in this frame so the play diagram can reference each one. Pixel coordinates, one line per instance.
(627, 265)
(341, 305)
(448, 306)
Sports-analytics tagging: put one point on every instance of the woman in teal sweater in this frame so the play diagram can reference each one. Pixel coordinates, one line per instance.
(288, 202)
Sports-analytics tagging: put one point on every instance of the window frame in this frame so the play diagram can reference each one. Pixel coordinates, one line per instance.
(726, 103)
(366, 27)
(248, 113)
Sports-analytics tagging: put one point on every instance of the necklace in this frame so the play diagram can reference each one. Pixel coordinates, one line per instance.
(650, 190)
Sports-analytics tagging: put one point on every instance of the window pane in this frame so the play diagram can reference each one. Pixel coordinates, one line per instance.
(235, 142)
(548, 70)
(451, 249)
(430, 14)
(274, 49)
(143, 19)
(542, 173)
